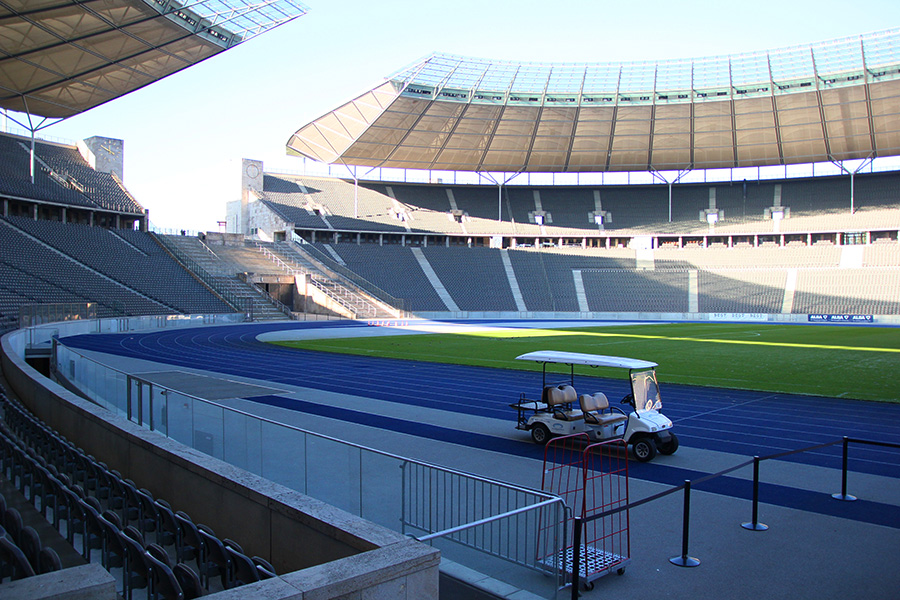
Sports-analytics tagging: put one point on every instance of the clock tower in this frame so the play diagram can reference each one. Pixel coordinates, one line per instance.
(105, 155)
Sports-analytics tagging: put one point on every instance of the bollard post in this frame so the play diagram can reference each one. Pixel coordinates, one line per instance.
(576, 556)
(844, 495)
(684, 560)
(754, 524)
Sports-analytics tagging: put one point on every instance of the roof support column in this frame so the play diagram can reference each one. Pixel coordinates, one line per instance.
(661, 177)
(352, 170)
(32, 157)
(840, 164)
(499, 185)
(32, 128)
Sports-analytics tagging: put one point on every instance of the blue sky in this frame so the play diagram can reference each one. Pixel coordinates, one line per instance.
(185, 135)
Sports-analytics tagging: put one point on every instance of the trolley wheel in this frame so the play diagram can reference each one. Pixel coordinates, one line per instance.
(587, 585)
(669, 447)
(644, 450)
(621, 571)
(540, 434)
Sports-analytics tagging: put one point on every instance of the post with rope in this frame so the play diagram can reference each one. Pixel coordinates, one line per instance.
(684, 560)
(754, 524)
(844, 495)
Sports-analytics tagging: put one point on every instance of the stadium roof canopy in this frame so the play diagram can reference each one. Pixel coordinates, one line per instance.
(61, 57)
(830, 101)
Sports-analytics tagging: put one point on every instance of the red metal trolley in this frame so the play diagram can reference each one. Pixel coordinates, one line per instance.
(591, 479)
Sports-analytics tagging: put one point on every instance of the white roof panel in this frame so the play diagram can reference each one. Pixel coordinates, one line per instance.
(591, 360)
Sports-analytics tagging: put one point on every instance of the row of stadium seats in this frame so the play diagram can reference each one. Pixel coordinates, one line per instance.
(427, 208)
(123, 270)
(773, 256)
(22, 553)
(478, 280)
(106, 518)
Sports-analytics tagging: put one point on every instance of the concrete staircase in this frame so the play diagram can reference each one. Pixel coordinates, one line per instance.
(361, 302)
(220, 269)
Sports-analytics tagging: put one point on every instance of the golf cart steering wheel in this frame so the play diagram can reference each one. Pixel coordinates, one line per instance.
(628, 399)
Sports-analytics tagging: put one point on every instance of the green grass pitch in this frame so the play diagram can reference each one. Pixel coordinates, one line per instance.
(836, 361)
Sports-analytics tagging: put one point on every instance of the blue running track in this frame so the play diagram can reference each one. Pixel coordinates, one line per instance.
(740, 422)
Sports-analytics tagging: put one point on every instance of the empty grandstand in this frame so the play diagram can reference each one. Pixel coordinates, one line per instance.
(439, 249)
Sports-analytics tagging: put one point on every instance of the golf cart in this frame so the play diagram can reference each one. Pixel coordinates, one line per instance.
(561, 411)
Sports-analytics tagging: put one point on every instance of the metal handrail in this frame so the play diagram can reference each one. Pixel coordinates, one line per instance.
(354, 278)
(275, 302)
(312, 279)
(506, 515)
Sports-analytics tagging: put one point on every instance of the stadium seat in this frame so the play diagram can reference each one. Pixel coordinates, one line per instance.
(265, 568)
(12, 522)
(136, 574)
(30, 544)
(167, 530)
(113, 548)
(189, 544)
(48, 560)
(188, 580)
(245, 570)
(216, 559)
(92, 536)
(11, 554)
(163, 582)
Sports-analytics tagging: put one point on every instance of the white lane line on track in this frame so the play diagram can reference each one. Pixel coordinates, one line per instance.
(725, 408)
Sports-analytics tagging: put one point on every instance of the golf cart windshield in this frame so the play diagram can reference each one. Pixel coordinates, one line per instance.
(646, 392)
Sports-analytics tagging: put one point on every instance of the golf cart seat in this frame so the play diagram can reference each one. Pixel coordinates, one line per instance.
(593, 406)
(560, 399)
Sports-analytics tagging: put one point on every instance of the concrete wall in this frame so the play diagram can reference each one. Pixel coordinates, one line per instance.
(321, 548)
(641, 316)
(310, 299)
(87, 582)
(217, 238)
(264, 223)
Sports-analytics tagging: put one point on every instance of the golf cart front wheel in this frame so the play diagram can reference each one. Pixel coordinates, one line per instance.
(669, 447)
(540, 434)
(644, 450)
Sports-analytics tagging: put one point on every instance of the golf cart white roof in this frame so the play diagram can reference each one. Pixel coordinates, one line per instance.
(593, 360)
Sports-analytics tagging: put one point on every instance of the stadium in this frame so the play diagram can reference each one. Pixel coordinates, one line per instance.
(314, 399)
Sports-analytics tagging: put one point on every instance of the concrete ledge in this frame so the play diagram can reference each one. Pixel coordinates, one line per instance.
(458, 581)
(405, 570)
(87, 582)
